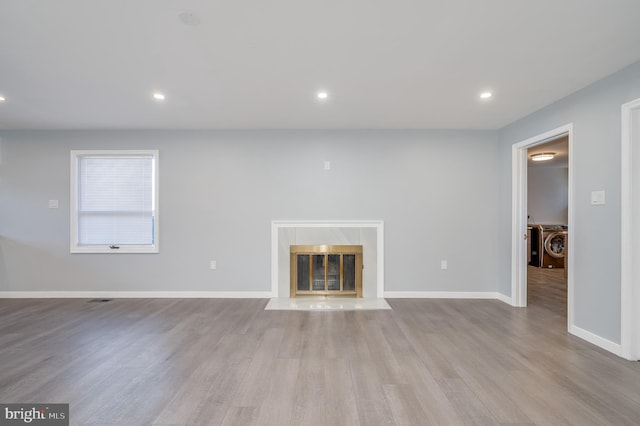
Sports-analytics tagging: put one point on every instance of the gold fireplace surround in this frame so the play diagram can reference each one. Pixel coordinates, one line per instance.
(326, 271)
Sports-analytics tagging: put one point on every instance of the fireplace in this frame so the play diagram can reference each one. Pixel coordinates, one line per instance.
(323, 270)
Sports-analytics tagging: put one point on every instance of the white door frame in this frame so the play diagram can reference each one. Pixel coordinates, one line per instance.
(630, 235)
(519, 218)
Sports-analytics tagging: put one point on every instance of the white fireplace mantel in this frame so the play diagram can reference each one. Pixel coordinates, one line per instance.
(278, 225)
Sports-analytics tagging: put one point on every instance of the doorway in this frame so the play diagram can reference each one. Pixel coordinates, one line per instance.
(520, 220)
(547, 225)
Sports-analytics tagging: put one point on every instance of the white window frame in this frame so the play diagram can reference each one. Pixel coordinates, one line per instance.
(77, 248)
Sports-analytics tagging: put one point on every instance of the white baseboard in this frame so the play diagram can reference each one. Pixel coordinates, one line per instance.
(442, 295)
(506, 299)
(605, 344)
(135, 294)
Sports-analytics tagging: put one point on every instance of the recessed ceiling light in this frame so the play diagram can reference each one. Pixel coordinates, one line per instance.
(323, 95)
(158, 96)
(486, 95)
(543, 156)
(2, 98)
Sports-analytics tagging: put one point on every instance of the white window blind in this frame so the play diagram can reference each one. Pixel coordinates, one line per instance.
(115, 201)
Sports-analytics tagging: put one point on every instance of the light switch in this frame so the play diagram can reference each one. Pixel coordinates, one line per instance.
(597, 198)
(327, 165)
(53, 204)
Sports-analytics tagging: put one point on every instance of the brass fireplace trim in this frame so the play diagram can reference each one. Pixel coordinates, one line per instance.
(342, 250)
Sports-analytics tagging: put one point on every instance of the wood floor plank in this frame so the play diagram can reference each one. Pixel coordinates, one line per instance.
(291, 345)
(340, 400)
(239, 416)
(196, 391)
(466, 403)
(216, 404)
(310, 395)
(437, 407)
(314, 339)
(499, 402)
(257, 380)
(215, 361)
(277, 407)
(404, 405)
(369, 394)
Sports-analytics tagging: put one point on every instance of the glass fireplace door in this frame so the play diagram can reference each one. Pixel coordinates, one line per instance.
(326, 270)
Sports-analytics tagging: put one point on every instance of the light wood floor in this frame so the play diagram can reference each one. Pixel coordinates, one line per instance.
(212, 362)
(547, 289)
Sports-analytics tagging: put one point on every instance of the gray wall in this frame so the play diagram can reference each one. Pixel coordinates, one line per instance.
(437, 192)
(547, 195)
(595, 113)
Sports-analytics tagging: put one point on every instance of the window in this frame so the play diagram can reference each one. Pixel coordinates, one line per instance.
(114, 199)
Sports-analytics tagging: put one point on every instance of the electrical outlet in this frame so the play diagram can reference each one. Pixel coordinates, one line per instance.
(213, 264)
(443, 264)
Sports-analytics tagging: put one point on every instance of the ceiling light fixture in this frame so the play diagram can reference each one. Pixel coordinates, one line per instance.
(158, 96)
(2, 98)
(486, 95)
(323, 95)
(543, 156)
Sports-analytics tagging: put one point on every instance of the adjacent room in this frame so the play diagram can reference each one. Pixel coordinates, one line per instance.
(320, 213)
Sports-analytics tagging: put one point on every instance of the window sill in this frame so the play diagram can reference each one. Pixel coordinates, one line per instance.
(108, 250)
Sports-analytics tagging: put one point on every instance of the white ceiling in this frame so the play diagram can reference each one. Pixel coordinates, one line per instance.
(257, 64)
